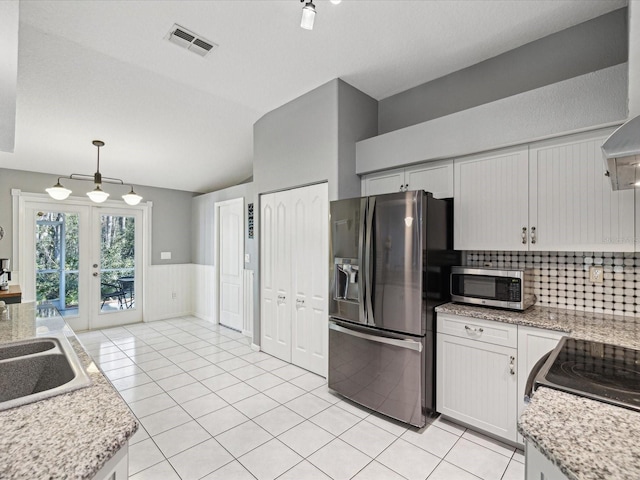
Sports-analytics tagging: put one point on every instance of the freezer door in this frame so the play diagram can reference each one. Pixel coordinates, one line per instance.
(394, 258)
(346, 286)
(380, 371)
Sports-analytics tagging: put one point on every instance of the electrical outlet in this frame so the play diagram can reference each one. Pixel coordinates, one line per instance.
(596, 274)
(173, 295)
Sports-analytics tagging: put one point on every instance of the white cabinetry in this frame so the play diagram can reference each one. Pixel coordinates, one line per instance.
(476, 373)
(435, 177)
(490, 201)
(549, 196)
(533, 343)
(117, 467)
(539, 467)
(293, 265)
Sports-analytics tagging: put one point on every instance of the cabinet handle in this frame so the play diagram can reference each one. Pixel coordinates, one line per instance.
(406, 187)
(299, 302)
(473, 329)
(512, 366)
(524, 235)
(533, 234)
(402, 188)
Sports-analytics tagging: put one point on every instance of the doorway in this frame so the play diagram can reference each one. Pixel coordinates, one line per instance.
(229, 261)
(86, 260)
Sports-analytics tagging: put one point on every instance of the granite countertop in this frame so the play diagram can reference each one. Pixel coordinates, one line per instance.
(67, 436)
(586, 439)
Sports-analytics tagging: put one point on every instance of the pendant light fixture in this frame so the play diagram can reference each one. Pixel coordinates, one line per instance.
(97, 195)
(308, 15)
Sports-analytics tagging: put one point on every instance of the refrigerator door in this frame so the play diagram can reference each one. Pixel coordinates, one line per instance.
(393, 263)
(346, 283)
(385, 372)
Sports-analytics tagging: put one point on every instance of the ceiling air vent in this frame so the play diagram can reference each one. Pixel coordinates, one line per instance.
(189, 40)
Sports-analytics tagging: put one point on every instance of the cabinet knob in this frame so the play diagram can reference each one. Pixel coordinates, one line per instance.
(533, 234)
(524, 235)
(512, 365)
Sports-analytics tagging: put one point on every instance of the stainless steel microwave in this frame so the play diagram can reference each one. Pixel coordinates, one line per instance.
(493, 287)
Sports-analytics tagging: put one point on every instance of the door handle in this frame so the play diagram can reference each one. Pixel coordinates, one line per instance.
(398, 342)
(512, 367)
(368, 281)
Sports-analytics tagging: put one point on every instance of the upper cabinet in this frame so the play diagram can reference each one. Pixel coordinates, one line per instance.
(550, 196)
(490, 201)
(435, 177)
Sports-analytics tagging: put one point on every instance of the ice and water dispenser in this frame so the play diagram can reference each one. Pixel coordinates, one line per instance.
(346, 279)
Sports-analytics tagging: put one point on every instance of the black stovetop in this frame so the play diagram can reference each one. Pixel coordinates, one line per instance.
(601, 371)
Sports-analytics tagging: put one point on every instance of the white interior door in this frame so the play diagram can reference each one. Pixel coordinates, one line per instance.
(310, 260)
(275, 266)
(230, 230)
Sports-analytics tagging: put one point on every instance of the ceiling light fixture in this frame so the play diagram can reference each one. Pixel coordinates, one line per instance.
(97, 195)
(308, 15)
(335, 2)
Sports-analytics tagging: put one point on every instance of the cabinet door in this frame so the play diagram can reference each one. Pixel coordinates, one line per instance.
(309, 269)
(275, 275)
(383, 182)
(434, 177)
(537, 466)
(476, 384)
(533, 343)
(571, 205)
(491, 201)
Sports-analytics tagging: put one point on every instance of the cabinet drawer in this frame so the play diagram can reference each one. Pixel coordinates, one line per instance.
(487, 331)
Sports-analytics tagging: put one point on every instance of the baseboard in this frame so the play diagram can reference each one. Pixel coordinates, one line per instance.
(255, 348)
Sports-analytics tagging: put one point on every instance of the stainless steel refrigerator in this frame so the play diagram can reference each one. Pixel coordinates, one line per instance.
(391, 258)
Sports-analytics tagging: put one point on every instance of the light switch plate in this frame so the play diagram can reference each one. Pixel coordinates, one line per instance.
(247, 258)
(596, 274)
(165, 255)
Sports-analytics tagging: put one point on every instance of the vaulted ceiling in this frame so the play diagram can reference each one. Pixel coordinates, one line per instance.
(103, 70)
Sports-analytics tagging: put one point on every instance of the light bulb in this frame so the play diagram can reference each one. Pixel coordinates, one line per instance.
(132, 198)
(97, 195)
(308, 16)
(335, 2)
(58, 192)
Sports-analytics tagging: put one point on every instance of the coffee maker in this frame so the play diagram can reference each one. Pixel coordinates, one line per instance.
(5, 274)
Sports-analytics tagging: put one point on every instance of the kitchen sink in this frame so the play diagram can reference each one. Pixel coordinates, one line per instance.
(39, 368)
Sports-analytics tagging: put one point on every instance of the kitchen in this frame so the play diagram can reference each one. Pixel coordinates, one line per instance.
(302, 160)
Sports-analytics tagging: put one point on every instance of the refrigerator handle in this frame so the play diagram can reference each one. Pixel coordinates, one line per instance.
(398, 342)
(362, 314)
(368, 270)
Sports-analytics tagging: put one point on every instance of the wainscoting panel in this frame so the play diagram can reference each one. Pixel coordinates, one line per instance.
(168, 291)
(204, 292)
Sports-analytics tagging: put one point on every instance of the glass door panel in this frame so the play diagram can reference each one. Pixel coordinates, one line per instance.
(57, 260)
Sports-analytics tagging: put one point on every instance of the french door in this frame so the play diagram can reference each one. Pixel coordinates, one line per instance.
(84, 259)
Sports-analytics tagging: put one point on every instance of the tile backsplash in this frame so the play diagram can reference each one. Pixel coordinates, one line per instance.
(561, 279)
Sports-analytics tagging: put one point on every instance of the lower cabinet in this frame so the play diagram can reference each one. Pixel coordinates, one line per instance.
(476, 380)
(482, 369)
(539, 467)
(117, 468)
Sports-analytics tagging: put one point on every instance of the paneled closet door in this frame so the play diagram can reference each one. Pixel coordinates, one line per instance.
(310, 260)
(571, 201)
(275, 275)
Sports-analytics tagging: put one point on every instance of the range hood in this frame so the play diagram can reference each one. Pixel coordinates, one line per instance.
(622, 155)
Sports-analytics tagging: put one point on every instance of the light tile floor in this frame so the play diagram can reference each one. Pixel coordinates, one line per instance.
(212, 408)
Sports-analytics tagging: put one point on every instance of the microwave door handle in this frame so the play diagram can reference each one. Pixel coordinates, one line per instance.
(368, 273)
(528, 388)
(362, 314)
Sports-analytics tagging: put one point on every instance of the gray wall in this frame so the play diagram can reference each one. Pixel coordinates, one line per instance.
(203, 224)
(357, 120)
(593, 45)
(171, 213)
(297, 143)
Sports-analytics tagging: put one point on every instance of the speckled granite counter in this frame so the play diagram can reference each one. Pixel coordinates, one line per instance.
(615, 329)
(68, 436)
(586, 439)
